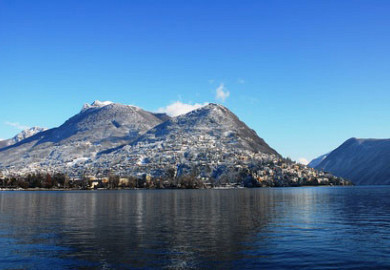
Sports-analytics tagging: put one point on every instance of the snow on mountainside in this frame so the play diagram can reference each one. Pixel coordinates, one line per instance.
(209, 144)
(109, 136)
(213, 123)
(21, 136)
(99, 126)
(208, 135)
(363, 161)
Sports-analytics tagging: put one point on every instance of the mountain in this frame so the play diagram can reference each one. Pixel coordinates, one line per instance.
(21, 136)
(363, 161)
(207, 138)
(99, 126)
(213, 124)
(105, 134)
(208, 146)
(315, 162)
(211, 127)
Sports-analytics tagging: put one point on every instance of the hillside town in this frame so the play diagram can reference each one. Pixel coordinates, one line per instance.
(255, 171)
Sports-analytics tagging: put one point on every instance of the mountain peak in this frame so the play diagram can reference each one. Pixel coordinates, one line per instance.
(214, 106)
(96, 104)
(209, 110)
(100, 104)
(24, 134)
(27, 133)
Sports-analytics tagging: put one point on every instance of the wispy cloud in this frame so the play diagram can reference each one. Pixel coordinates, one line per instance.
(16, 125)
(179, 108)
(303, 161)
(240, 81)
(221, 93)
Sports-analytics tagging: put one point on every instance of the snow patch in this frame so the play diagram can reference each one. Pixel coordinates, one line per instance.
(77, 160)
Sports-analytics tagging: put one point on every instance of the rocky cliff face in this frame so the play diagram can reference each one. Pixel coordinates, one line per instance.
(363, 161)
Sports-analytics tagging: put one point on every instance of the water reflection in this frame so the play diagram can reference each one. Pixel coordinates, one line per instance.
(194, 228)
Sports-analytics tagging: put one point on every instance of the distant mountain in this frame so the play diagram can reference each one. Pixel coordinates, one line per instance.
(363, 161)
(99, 126)
(315, 162)
(21, 136)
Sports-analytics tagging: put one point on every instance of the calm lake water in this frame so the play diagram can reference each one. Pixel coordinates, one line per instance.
(302, 228)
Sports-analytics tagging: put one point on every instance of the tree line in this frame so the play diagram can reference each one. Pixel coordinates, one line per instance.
(63, 181)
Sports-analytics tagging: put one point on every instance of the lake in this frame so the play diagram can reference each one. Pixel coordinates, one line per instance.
(264, 228)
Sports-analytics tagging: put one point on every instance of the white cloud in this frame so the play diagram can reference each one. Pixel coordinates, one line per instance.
(178, 108)
(221, 93)
(303, 161)
(16, 125)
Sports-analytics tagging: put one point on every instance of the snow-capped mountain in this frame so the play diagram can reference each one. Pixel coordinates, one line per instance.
(105, 134)
(213, 124)
(210, 134)
(99, 126)
(363, 161)
(210, 141)
(21, 136)
(209, 144)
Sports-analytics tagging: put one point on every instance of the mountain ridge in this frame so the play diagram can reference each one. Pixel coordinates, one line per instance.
(364, 161)
(91, 130)
(24, 134)
(115, 125)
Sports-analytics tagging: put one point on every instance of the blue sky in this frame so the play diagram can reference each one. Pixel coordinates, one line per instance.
(306, 75)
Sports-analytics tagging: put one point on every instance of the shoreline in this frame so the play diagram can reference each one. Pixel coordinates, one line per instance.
(120, 189)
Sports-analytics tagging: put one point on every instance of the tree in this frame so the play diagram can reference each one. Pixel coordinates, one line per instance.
(85, 182)
(22, 183)
(113, 181)
(48, 183)
(132, 182)
(59, 178)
